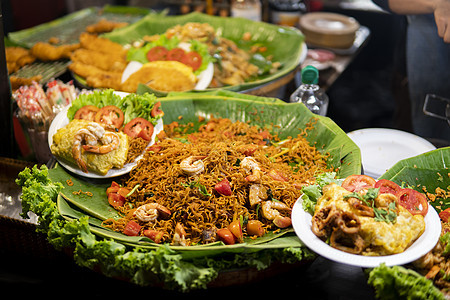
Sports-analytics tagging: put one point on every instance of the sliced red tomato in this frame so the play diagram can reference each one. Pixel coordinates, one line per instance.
(157, 53)
(132, 228)
(155, 148)
(156, 110)
(112, 189)
(146, 133)
(113, 183)
(223, 187)
(123, 192)
(415, 202)
(176, 54)
(387, 186)
(445, 215)
(139, 127)
(193, 60)
(110, 115)
(154, 235)
(115, 199)
(356, 183)
(86, 112)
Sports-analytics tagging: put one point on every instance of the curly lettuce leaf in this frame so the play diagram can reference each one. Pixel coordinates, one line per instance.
(311, 193)
(141, 266)
(398, 282)
(38, 195)
(132, 105)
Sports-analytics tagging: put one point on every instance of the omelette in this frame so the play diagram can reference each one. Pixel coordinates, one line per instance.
(63, 142)
(165, 76)
(350, 225)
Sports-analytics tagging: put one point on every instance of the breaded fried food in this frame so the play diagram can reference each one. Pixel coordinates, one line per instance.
(47, 52)
(104, 25)
(103, 45)
(100, 60)
(165, 76)
(17, 57)
(111, 80)
(96, 77)
(17, 82)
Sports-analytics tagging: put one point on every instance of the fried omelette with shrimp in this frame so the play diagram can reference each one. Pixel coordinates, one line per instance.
(91, 147)
(163, 76)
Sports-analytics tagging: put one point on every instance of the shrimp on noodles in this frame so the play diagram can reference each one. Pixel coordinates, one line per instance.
(191, 169)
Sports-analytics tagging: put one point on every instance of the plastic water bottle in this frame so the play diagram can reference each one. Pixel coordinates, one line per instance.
(309, 92)
(249, 9)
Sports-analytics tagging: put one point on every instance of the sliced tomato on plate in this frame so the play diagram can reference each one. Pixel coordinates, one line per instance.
(415, 202)
(156, 110)
(146, 133)
(110, 115)
(387, 186)
(356, 183)
(157, 53)
(139, 127)
(192, 59)
(86, 112)
(176, 54)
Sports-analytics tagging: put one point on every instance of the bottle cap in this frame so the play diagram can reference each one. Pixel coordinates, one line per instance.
(310, 75)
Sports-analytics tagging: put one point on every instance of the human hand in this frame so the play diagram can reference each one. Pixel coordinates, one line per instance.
(442, 18)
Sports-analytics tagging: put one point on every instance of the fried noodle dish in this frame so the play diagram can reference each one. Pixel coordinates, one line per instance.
(224, 182)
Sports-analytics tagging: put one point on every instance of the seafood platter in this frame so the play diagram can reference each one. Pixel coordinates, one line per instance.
(187, 170)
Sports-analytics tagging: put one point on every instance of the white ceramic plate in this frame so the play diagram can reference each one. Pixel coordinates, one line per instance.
(301, 221)
(61, 120)
(381, 148)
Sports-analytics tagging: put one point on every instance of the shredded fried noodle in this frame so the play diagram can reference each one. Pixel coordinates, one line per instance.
(281, 168)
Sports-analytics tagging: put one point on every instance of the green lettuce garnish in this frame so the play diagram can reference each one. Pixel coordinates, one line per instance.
(398, 282)
(311, 193)
(132, 105)
(182, 271)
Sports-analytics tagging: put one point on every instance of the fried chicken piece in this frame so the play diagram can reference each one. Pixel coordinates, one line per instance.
(103, 45)
(17, 57)
(111, 80)
(47, 52)
(100, 60)
(104, 26)
(163, 76)
(96, 77)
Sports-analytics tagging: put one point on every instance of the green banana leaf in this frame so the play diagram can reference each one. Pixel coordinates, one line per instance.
(71, 213)
(283, 43)
(285, 119)
(430, 170)
(69, 27)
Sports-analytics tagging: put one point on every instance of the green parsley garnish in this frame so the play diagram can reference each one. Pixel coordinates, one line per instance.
(388, 215)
